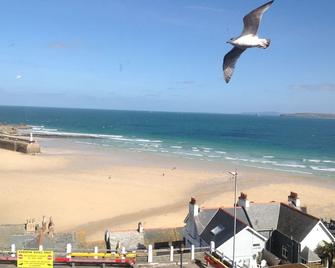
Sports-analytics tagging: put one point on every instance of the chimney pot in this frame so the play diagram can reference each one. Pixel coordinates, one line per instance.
(293, 195)
(140, 227)
(293, 200)
(193, 201)
(243, 196)
(193, 207)
(243, 201)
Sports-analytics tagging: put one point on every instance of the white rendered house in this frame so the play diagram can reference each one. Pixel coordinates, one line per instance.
(285, 230)
(217, 225)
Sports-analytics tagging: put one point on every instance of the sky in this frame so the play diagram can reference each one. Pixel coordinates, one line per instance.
(166, 55)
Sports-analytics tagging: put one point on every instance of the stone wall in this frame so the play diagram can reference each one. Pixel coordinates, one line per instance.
(20, 146)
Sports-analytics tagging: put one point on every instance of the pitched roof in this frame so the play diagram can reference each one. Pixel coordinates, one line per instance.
(132, 239)
(309, 255)
(294, 223)
(263, 216)
(240, 214)
(221, 228)
(288, 220)
(203, 218)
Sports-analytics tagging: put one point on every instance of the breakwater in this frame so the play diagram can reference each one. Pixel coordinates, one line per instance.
(19, 144)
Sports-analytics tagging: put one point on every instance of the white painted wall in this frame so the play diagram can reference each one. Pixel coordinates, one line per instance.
(189, 240)
(245, 253)
(190, 232)
(315, 236)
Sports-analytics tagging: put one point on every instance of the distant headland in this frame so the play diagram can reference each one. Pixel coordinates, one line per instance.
(310, 115)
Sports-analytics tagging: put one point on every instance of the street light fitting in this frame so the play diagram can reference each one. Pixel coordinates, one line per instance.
(234, 173)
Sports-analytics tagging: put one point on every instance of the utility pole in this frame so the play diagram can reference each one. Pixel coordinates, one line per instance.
(234, 174)
(181, 255)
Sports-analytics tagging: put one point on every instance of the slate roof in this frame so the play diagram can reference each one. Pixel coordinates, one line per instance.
(203, 218)
(133, 240)
(294, 223)
(225, 221)
(309, 255)
(263, 216)
(288, 220)
(240, 214)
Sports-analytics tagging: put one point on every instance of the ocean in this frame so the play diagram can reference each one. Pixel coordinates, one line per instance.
(296, 145)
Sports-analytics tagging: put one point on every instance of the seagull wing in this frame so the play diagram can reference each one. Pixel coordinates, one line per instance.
(251, 20)
(229, 62)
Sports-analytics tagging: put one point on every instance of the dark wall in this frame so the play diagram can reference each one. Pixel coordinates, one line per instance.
(277, 241)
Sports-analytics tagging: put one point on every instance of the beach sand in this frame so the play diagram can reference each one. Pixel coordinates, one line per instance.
(90, 189)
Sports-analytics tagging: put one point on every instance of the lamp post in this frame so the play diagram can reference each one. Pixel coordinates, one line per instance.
(234, 174)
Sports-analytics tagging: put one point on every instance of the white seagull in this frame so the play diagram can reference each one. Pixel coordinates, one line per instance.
(247, 39)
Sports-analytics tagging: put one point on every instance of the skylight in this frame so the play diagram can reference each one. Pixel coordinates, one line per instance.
(218, 229)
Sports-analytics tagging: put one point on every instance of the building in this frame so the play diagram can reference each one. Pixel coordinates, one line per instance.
(141, 238)
(292, 234)
(288, 231)
(31, 235)
(217, 225)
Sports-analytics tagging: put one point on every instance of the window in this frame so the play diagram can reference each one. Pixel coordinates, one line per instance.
(218, 229)
(284, 252)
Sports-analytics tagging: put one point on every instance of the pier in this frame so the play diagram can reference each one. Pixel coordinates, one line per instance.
(19, 144)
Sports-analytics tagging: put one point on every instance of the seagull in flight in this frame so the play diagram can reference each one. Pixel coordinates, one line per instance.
(247, 39)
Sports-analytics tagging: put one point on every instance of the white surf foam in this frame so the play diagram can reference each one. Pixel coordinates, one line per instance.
(176, 147)
(280, 169)
(289, 165)
(322, 168)
(314, 160)
(54, 132)
(328, 161)
(231, 158)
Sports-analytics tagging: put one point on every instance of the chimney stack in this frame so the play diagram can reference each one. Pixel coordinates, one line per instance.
(193, 207)
(294, 200)
(30, 225)
(140, 227)
(243, 201)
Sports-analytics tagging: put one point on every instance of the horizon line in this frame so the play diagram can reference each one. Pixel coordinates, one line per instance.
(258, 113)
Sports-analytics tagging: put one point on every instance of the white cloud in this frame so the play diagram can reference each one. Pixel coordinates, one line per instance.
(18, 77)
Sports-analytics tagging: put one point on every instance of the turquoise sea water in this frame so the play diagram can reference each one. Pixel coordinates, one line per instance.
(280, 143)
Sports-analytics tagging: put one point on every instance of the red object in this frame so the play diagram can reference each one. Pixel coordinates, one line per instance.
(214, 262)
(129, 262)
(61, 259)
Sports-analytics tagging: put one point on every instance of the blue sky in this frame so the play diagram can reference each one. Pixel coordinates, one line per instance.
(165, 55)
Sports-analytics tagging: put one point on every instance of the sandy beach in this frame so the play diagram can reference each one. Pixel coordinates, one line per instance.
(90, 189)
